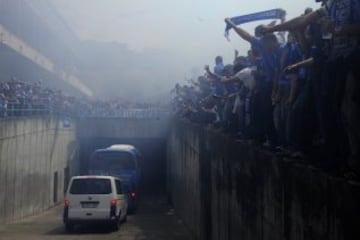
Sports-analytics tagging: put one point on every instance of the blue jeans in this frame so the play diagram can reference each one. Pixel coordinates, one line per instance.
(262, 121)
(281, 113)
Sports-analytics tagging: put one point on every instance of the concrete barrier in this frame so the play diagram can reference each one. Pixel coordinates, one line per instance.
(118, 127)
(37, 157)
(228, 190)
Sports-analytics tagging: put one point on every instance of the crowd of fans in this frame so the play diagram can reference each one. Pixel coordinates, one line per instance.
(18, 98)
(117, 108)
(298, 97)
(23, 98)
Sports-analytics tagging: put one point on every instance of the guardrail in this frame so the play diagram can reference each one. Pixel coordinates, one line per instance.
(132, 114)
(10, 109)
(18, 109)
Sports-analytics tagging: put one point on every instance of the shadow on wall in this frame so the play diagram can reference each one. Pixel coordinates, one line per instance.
(240, 191)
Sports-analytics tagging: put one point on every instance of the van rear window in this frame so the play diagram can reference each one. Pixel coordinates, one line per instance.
(90, 186)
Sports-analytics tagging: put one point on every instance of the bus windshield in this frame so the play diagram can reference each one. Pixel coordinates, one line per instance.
(113, 160)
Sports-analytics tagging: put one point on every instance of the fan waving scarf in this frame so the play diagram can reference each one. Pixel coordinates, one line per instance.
(264, 15)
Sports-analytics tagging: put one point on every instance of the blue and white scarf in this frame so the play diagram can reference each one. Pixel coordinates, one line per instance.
(264, 15)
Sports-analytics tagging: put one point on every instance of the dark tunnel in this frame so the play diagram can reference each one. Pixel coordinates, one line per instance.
(152, 164)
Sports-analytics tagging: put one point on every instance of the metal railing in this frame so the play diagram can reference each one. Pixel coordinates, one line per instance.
(26, 109)
(12, 110)
(151, 113)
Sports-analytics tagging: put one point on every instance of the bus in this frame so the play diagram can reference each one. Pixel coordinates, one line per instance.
(122, 161)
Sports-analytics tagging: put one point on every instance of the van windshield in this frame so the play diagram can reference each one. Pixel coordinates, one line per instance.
(113, 160)
(90, 186)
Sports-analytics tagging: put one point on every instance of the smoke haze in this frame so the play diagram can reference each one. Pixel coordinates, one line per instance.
(142, 48)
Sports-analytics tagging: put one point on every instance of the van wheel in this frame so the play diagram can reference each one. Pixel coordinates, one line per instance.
(115, 225)
(69, 227)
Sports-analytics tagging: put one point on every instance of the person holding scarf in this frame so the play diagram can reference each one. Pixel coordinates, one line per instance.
(268, 49)
(340, 21)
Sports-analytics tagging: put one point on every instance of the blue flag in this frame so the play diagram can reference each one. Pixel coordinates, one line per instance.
(270, 14)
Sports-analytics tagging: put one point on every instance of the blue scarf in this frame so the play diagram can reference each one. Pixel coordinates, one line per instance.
(270, 14)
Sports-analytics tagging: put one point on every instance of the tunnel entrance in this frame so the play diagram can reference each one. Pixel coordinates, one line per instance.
(152, 164)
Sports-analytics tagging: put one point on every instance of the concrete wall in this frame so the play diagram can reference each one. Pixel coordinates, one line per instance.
(36, 43)
(32, 151)
(39, 24)
(228, 190)
(130, 128)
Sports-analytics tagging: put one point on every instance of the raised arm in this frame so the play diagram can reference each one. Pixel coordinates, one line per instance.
(304, 63)
(236, 54)
(230, 79)
(296, 23)
(241, 32)
(211, 74)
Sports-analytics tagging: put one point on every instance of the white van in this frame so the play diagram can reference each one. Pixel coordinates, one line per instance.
(94, 199)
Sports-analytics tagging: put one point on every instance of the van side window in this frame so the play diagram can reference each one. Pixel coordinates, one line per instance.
(119, 189)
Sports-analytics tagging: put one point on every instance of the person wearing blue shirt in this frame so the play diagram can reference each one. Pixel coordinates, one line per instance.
(250, 59)
(340, 21)
(286, 90)
(268, 48)
(218, 86)
(230, 92)
(218, 70)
